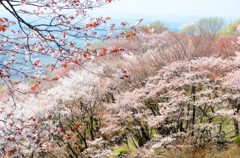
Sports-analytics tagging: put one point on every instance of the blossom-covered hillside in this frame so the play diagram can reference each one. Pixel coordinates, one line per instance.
(167, 94)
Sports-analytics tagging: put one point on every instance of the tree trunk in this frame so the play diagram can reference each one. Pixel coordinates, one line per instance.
(236, 121)
(194, 109)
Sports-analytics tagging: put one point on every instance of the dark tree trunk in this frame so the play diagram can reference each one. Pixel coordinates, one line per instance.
(236, 121)
(194, 109)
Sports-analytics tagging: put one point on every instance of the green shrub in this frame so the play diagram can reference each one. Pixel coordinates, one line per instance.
(122, 153)
(237, 141)
(231, 29)
(205, 26)
(158, 26)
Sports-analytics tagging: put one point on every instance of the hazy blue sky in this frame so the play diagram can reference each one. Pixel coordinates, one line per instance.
(224, 8)
(183, 11)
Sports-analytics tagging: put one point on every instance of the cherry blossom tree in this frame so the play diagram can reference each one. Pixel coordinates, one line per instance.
(64, 120)
(76, 108)
(187, 99)
(52, 30)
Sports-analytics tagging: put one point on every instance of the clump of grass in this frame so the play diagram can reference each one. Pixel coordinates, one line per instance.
(123, 149)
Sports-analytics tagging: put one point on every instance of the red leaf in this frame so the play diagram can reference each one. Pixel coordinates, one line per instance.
(65, 64)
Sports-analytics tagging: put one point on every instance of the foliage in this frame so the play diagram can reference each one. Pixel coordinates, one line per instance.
(231, 29)
(190, 29)
(158, 26)
(122, 153)
(204, 26)
(210, 25)
(237, 140)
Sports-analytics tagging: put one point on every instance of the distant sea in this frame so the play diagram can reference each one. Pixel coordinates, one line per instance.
(172, 22)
